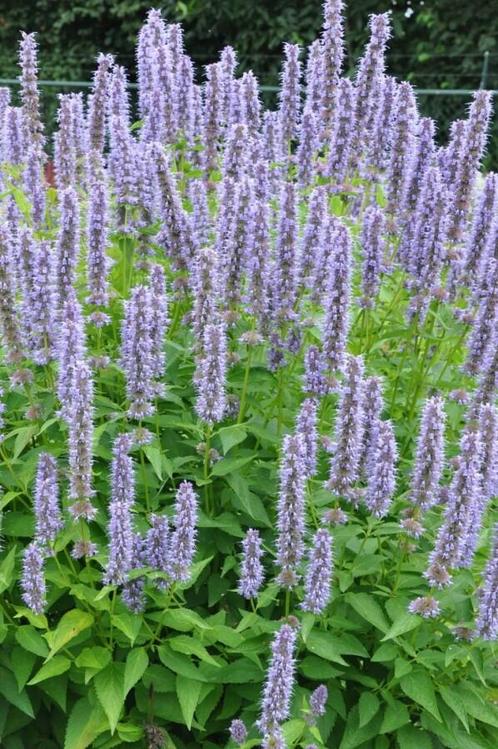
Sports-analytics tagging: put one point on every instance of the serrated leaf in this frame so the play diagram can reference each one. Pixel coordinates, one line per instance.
(231, 436)
(368, 706)
(136, 663)
(7, 569)
(369, 609)
(191, 646)
(323, 644)
(22, 662)
(31, 640)
(418, 687)
(129, 624)
(72, 623)
(404, 623)
(55, 667)
(109, 686)
(229, 465)
(85, 723)
(410, 737)
(9, 690)
(456, 704)
(188, 691)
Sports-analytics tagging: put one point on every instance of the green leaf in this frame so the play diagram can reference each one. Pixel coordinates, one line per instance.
(479, 708)
(31, 640)
(129, 624)
(24, 434)
(22, 663)
(154, 456)
(72, 623)
(402, 624)
(229, 465)
(395, 716)
(183, 620)
(9, 690)
(368, 706)
(231, 436)
(96, 657)
(7, 569)
(419, 687)
(455, 703)
(188, 691)
(324, 645)
(353, 735)
(369, 609)
(410, 737)
(109, 686)
(55, 667)
(136, 663)
(85, 723)
(190, 646)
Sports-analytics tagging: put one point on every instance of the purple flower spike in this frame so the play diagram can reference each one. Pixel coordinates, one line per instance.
(488, 425)
(277, 693)
(426, 606)
(252, 571)
(133, 590)
(30, 97)
(336, 321)
(307, 148)
(120, 517)
(80, 415)
(238, 731)
(314, 380)
(314, 234)
(382, 478)
(97, 104)
(429, 457)
(373, 244)
(456, 534)
(284, 288)
(136, 353)
(70, 349)
(211, 374)
(33, 579)
(482, 233)
(401, 163)
(158, 319)
(98, 262)
(182, 543)
(314, 77)
(378, 157)
(374, 404)
(212, 116)
(332, 56)
(318, 700)
(306, 425)
(469, 162)
(291, 509)
(48, 517)
(319, 573)
(341, 134)
(487, 618)
(68, 245)
(290, 92)
(157, 546)
(349, 430)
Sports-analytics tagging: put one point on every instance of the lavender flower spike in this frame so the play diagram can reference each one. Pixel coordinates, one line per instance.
(136, 353)
(332, 49)
(337, 299)
(98, 262)
(210, 377)
(159, 319)
(318, 700)
(67, 249)
(10, 327)
(238, 731)
(277, 692)
(319, 573)
(80, 424)
(252, 572)
(133, 590)
(488, 425)
(374, 405)
(291, 509)
(487, 619)
(349, 430)
(48, 517)
(429, 457)
(32, 122)
(157, 546)
(452, 543)
(290, 92)
(70, 349)
(402, 149)
(382, 479)
(182, 544)
(33, 580)
(120, 518)
(373, 244)
(306, 425)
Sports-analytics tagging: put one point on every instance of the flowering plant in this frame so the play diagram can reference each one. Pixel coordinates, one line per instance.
(249, 432)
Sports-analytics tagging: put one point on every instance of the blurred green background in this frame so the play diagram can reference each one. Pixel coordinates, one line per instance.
(437, 44)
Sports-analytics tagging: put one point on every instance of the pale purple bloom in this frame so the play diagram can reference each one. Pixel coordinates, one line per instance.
(487, 619)
(201, 220)
(314, 380)
(332, 56)
(258, 266)
(485, 321)
(424, 158)
(337, 299)
(158, 319)
(120, 513)
(348, 430)
(205, 288)
(33, 579)
(79, 418)
(382, 470)
(291, 509)
(13, 136)
(133, 590)
(68, 245)
(34, 185)
(211, 374)
(429, 456)
(64, 144)
(456, 533)
(9, 315)
(319, 573)
(426, 606)
(307, 148)
(48, 517)
(98, 262)
(481, 236)
(318, 700)
(373, 245)
(238, 731)
(70, 349)
(306, 425)
(401, 164)
(373, 407)
(136, 353)
(212, 116)
(97, 103)
(469, 162)
(284, 273)
(228, 63)
(378, 156)
(488, 425)
(251, 570)
(157, 546)
(341, 132)
(30, 97)
(277, 693)
(314, 233)
(176, 233)
(314, 78)
(290, 92)
(251, 105)
(182, 541)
